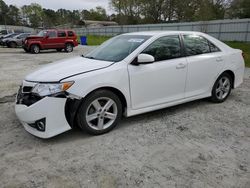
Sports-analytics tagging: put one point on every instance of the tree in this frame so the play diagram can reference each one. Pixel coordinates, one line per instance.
(33, 14)
(3, 12)
(239, 9)
(13, 17)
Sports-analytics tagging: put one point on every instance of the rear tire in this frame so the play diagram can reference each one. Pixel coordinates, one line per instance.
(69, 47)
(100, 112)
(12, 45)
(35, 49)
(222, 88)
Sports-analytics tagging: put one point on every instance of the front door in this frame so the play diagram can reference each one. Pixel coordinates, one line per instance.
(162, 81)
(51, 40)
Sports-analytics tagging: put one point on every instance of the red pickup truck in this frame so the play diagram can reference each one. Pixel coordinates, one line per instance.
(51, 39)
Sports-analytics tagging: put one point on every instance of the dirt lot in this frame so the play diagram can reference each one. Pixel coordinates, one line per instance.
(198, 144)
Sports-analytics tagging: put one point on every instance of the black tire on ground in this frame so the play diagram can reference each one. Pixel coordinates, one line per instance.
(26, 50)
(222, 88)
(102, 115)
(12, 45)
(69, 47)
(35, 49)
(59, 49)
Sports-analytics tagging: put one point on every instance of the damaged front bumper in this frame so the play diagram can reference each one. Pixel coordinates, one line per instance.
(43, 117)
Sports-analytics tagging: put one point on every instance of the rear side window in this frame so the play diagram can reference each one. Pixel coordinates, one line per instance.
(52, 34)
(61, 34)
(71, 33)
(195, 45)
(164, 48)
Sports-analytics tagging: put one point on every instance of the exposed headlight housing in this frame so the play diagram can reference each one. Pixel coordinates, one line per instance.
(46, 89)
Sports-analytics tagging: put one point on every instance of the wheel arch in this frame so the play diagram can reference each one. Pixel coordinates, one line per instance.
(36, 43)
(69, 42)
(72, 106)
(9, 42)
(232, 75)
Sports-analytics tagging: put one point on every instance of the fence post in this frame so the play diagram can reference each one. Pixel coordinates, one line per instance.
(220, 31)
(247, 31)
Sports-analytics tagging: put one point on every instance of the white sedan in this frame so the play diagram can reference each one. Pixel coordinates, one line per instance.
(128, 75)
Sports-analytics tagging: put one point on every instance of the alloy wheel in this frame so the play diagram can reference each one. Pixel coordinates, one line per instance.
(223, 88)
(101, 113)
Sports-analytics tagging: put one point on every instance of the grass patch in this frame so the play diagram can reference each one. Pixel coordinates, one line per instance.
(94, 40)
(245, 47)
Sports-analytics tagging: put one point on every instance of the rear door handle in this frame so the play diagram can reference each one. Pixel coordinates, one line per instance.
(180, 66)
(219, 59)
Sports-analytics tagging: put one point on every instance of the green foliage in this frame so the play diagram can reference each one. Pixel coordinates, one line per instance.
(127, 12)
(239, 9)
(156, 11)
(245, 47)
(33, 14)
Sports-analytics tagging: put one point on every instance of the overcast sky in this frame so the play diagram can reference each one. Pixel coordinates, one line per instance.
(66, 4)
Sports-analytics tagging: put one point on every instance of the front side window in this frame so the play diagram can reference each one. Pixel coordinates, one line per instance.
(165, 48)
(195, 45)
(117, 48)
(42, 33)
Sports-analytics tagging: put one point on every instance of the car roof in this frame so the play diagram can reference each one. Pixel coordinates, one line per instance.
(155, 33)
(57, 30)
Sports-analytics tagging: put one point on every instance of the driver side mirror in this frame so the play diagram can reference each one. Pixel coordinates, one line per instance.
(144, 59)
(46, 37)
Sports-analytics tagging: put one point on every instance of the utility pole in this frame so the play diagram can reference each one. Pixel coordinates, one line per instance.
(119, 7)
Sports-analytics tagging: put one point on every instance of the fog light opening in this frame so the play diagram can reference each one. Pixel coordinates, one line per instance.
(40, 125)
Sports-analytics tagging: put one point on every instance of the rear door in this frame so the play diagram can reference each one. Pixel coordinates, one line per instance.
(205, 62)
(61, 38)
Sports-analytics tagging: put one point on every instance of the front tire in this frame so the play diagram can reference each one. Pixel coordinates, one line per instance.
(100, 112)
(35, 49)
(222, 88)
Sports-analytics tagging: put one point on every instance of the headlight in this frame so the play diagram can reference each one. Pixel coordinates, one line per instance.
(44, 89)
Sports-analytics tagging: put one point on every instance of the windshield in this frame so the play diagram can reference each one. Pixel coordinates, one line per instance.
(117, 48)
(42, 33)
(10, 35)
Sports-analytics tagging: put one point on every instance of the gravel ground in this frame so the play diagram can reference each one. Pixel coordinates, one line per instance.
(198, 144)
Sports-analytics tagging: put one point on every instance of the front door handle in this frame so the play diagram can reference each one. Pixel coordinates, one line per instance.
(180, 66)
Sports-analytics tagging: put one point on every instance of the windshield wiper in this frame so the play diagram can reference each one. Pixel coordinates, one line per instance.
(89, 57)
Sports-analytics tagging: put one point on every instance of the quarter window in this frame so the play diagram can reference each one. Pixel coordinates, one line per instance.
(70, 33)
(195, 45)
(164, 48)
(213, 48)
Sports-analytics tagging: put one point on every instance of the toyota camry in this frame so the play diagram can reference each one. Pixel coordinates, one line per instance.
(127, 75)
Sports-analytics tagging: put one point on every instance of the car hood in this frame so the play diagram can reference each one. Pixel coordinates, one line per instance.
(60, 70)
(34, 37)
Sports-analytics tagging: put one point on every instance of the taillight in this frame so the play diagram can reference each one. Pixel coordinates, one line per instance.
(243, 55)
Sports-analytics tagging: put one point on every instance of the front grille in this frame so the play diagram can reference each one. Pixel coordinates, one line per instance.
(25, 96)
